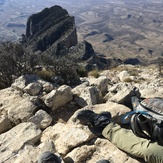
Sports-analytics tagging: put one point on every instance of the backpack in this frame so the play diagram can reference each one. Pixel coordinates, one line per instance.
(146, 119)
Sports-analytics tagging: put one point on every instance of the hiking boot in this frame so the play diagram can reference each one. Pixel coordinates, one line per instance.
(48, 157)
(96, 122)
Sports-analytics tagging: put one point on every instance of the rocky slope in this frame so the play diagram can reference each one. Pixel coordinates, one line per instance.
(37, 116)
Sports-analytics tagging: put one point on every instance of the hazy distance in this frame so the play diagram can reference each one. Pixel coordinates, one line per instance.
(119, 28)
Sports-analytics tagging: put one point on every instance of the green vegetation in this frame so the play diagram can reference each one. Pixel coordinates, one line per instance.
(16, 60)
(81, 71)
(45, 74)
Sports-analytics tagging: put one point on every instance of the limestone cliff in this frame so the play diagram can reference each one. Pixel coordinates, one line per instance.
(51, 30)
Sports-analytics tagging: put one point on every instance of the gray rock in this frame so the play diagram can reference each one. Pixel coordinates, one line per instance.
(121, 93)
(16, 138)
(58, 98)
(41, 119)
(31, 154)
(101, 83)
(21, 110)
(21, 82)
(66, 137)
(33, 89)
(123, 76)
(16, 106)
(89, 96)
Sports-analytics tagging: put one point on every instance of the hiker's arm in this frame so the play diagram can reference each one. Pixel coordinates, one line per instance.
(127, 141)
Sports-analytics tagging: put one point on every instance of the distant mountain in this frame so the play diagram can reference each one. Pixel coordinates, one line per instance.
(123, 29)
(52, 30)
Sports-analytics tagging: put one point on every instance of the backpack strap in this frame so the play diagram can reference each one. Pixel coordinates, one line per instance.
(140, 126)
(158, 134)
(126, 118)
(140, 122)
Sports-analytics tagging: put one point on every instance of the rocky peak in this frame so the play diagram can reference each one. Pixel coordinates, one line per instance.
(53, 31)
(39, 21)
(50, 30)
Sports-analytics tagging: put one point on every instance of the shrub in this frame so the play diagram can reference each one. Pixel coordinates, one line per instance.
(45, 74)
(13, 62)
(64, 66)
(94, 73)
(81, 71)
(128, 80)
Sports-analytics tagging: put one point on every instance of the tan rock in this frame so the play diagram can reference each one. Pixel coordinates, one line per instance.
(31, 154)
(41, 119)
(101, 84)
(16, 138)
(21, 110)
(33, 88)
(66, 137)
(81, 154)
(89, 96)
(58, 98)
(16, 106)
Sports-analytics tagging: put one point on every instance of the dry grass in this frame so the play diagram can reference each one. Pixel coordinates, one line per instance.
(132, 70)
(94, 73)
(128, 80)
(45, 74)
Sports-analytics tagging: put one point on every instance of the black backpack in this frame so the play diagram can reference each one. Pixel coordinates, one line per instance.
(146, 119)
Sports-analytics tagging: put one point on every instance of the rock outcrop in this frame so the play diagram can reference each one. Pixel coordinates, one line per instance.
(52, 30)
(31, 123)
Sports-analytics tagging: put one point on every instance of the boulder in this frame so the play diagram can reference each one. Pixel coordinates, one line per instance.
(41, 119)
(81, 154)
(16, 106)
(58, 98)
(89, 96)
(47, 86)
(15, 139)
(121, 93)
(21, 82)
(101, 84)
(33, 89)
(124, 76)
(32, 84)
(22, 109)
(31, 154)
(115, 109)
(100, 149)
(78, 89)
(66, 137)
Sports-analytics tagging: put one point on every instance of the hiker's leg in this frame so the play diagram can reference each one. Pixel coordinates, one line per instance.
(127, 141)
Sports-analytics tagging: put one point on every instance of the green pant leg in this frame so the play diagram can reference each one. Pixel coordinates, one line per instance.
(127, 141)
